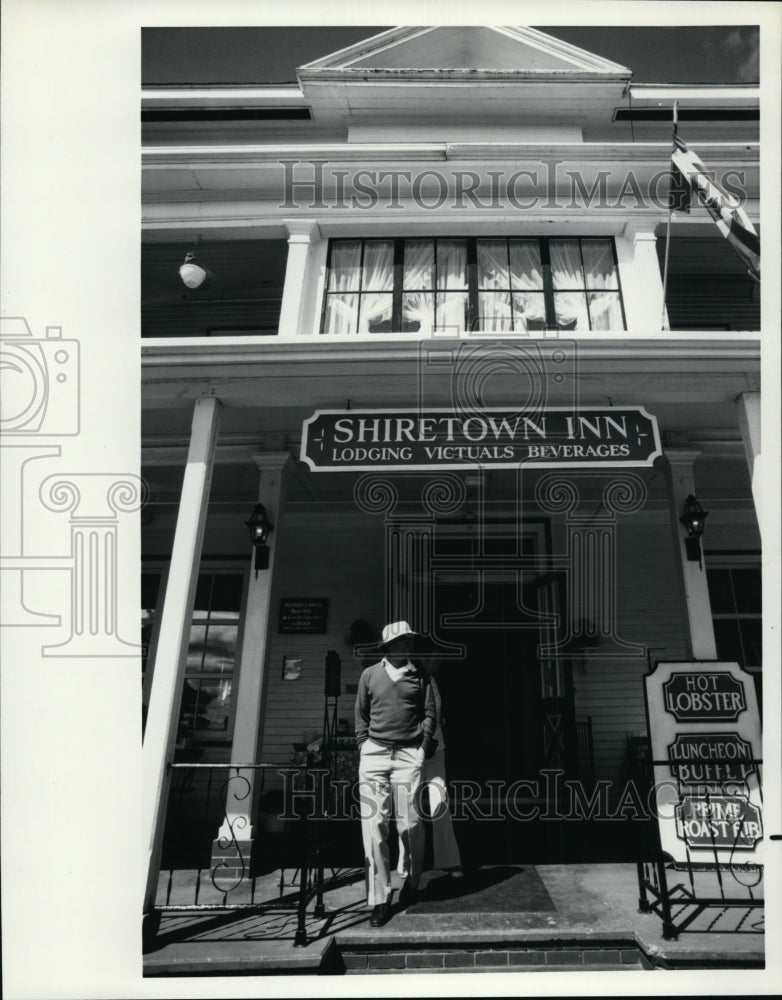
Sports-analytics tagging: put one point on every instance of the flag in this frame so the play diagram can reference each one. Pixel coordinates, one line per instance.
(690, 175)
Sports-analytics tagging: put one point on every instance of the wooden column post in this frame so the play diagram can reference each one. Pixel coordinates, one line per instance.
(642, 286)
(748, 412)
(231, 849)
(700, 627)
(166, 693)
(303, 233)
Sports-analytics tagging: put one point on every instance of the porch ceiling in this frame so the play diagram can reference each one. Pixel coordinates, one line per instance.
(284, 382)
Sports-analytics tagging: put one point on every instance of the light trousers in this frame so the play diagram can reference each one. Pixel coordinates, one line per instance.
(444, 847)
(389, 780)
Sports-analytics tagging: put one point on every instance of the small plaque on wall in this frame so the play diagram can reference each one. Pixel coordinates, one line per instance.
(303, 615)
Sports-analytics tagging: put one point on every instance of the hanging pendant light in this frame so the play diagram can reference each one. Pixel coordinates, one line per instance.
(191, 272)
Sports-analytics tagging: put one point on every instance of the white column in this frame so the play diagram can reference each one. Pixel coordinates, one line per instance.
(700, 627)
(642, 286)
(164, 702)
(748, 412)
(302, 235)
(236, 832)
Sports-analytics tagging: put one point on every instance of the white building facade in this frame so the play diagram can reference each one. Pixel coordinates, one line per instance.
(463, 225)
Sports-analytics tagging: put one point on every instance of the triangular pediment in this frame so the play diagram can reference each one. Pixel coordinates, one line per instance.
(467, 49)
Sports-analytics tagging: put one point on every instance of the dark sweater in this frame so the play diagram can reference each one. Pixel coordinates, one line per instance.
(400, 714)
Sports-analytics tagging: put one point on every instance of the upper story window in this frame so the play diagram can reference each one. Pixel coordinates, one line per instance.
(504, 285)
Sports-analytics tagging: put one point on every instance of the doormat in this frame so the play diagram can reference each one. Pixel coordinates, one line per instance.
(496, 889)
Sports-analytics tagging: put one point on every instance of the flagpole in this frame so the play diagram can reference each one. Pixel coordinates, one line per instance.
(670, 217)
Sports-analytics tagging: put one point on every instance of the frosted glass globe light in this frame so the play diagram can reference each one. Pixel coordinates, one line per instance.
(192, 275)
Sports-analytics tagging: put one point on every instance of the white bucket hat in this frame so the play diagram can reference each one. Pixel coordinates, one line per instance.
(395, 631)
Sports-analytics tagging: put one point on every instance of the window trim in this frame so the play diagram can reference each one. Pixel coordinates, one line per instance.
(472, 290)
(721, 559)
(236, 566)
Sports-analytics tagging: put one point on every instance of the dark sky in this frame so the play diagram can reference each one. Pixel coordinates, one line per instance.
(702, 54)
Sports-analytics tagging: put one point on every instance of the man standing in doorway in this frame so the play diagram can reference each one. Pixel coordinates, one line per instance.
(395, 723)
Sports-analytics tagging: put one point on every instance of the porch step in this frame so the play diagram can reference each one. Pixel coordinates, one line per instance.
(510, 956)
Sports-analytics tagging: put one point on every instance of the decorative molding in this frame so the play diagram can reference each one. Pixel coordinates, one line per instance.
(577, 60)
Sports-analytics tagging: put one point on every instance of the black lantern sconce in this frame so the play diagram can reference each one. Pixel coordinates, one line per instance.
(259, 527)
(693, 519)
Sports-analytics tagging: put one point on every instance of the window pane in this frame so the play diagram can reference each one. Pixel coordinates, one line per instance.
(566, 264)
(571, 311)
(417, 311)
(378, 266)
(375, 315)
(526, 270)
(599, 264)
(188, 708)
(726, 633)
(494, 311)
(720, 594)
(203, 597)
(345, 264)
(451, 312)
(341, 314)
(227, 595)
(220, 649)
(195, 649)
(752, 640)
(529, 311)
(605, 312)
(205, 707)
(214, 705)
(747, 590)
(419, 265)
(492, 265)
(451, 264)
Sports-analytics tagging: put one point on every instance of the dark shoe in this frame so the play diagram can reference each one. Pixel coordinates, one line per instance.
(407, 894)
(379, 915)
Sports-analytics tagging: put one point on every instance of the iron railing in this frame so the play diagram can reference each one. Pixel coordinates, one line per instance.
(189, 882)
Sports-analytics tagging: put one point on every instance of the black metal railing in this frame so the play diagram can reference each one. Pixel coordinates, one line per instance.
(704, 893)
(203, 869)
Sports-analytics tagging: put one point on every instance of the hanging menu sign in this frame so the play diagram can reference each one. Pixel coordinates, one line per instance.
(704, 729)
(356, 440)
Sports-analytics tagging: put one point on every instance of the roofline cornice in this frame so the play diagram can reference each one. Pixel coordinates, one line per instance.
(652, 152)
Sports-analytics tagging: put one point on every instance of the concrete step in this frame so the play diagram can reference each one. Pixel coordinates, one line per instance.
(509, 957)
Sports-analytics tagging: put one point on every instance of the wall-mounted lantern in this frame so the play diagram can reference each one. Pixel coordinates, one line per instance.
(259, 527)
(693, 518)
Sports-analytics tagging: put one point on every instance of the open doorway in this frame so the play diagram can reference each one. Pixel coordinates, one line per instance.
(509, 717)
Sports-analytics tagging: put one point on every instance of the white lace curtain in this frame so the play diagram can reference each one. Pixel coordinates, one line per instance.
(347, 311)
(448, 275)
(509, 280)
(573, 284)
(516, 265)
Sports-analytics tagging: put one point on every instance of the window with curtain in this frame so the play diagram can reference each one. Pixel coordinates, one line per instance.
(498, 285)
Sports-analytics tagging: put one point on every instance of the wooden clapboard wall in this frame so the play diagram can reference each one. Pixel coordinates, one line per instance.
(339, 556)
(708, 289)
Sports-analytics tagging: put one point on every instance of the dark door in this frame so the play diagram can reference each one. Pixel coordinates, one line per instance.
(508, 715)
